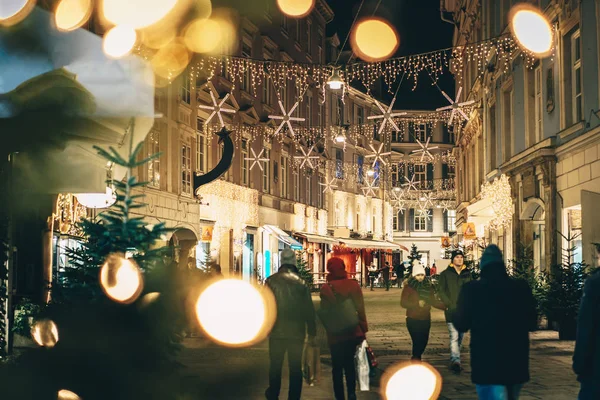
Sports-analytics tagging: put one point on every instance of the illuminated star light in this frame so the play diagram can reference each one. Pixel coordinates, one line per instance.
(306, 157)
(378, 154)
(286, 117)
(256, 159)
(412, 185)
(328, 186)
(427, 201)
(455, 106)
(369, 190)
(422, 212)
(425, 149)
(217, 108)
(387, 116)
(399, 206)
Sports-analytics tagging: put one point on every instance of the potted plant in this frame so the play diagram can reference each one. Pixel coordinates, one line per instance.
(565, 288)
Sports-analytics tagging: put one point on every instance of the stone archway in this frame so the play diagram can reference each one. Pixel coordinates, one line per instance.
(533, 210)
(533, 229)
(182, 242)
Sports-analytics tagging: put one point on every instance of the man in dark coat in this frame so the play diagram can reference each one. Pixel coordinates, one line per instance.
(400, 269)
(295, 316)
(586, 360)
(499, 311)
(449, 285)
(386, 271)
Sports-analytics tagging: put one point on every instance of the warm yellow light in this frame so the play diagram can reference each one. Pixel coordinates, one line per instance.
(14, 11)
(227, 20)
(335, 82)
(203, 35)
(374, 39)
(418, 381)
(45, 333)
(531, 29)
(234, 313)
(156, 39)
(137, 13)
(97, 200)
(171, 60)
(148, 299)
(67, 395)
(121, 279)
(296, 8)
(119, 41)
(202, 8)
(71, 14)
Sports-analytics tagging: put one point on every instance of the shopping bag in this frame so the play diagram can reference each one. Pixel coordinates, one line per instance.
(373, 363)
(362, 366)
(311, 367)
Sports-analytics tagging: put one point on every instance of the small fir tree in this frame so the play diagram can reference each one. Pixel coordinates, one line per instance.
(414, 255)
(304, 270)
(522, 267)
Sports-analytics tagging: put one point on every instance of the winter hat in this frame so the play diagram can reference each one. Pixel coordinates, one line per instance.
(492, 263)
(336, 268)
(287, 257)
(418, 268)
(456, 253)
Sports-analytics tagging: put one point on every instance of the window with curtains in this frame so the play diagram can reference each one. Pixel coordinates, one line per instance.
(186, 170)
(153, 166)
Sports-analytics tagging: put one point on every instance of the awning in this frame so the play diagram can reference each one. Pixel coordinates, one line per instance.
(318, 238)
(371, 244)
(283, 237)
(480, 213)
(59, 96)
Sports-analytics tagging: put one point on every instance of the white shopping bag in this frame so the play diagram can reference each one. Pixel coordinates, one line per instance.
(362, 366)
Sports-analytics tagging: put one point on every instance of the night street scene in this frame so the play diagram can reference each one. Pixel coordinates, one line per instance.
(301, 199)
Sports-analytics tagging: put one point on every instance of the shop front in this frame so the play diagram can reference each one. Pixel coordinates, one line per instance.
(317, 252)
(360, 254)
(274, 240)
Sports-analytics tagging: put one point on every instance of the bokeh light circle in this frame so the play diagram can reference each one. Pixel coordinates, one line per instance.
(296, 8)
(171, 60)
(137, 13)
(14, 11)
(203, 35)
(121, 279)
(65, 394)
(71, 14)
(531, 29)
(234, 313)
(374, 39)
(119, 41)
(411, 381)
(45, 333)
(202, 8)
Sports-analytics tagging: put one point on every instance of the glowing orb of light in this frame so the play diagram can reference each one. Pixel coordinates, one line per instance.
(119, 41)
(202, 8)
(296, 8)
(171, 60)
(65, 394)
(45, 333)
(203, 35)
(148, 299)
(416, 381)
(97, 200)
(137, 13)
(121, 279)
(531, 29)
(234, 313)
(374, 39)
(14, 11)
(71, 14)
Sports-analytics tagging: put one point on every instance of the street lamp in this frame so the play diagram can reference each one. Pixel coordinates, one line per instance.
(531, 29)
(335, 82)
(340, 138)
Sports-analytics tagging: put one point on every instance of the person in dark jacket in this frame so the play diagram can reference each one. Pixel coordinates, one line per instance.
(400, 270)
(386, 271)
(499, 311)
(295, 317)
(586, 359)
(418, 297)
(343, 346)
(449, 284)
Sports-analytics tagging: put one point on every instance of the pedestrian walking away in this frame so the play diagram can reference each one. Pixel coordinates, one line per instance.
(418, 297)
(385, 274)
(295, 318)
(500, 312)
(449, 285)
(343, 345)
(586, 359)
(400, 269)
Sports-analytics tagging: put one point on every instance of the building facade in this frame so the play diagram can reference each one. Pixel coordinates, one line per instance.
(537, 125)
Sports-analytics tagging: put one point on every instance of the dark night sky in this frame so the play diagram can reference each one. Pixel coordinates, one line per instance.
(420, 29)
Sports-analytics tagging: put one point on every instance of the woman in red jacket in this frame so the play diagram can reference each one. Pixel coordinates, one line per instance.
(418, 297)
(343, 346)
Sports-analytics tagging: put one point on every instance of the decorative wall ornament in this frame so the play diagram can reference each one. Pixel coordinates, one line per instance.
(328, 186)
(286, 117)
(256, 159)
(222, 166)
(217, 108)
(306, 157)
(369, 188)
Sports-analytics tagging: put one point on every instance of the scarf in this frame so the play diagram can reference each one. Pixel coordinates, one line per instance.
(422, 288)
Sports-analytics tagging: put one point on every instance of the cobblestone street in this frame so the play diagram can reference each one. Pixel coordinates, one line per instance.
(215, 373)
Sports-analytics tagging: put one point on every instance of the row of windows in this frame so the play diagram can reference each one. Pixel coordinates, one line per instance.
(422, 222)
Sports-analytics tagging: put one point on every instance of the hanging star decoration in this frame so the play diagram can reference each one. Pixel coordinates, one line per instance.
(328, 186)
(455, 106)
(286, 117)
(425, 149)
(217, 108)
(427, 200)
(424, 213)
(369, 190)
(411, 184)
(378, 154)
(256, 159)
(399, 206)
(387, 116)
(306, 157)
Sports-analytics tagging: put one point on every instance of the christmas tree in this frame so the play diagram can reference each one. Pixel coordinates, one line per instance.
(304, 271)
(414, 255)
(130, 346)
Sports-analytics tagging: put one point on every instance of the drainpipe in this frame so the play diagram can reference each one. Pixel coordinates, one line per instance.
(442, 11)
